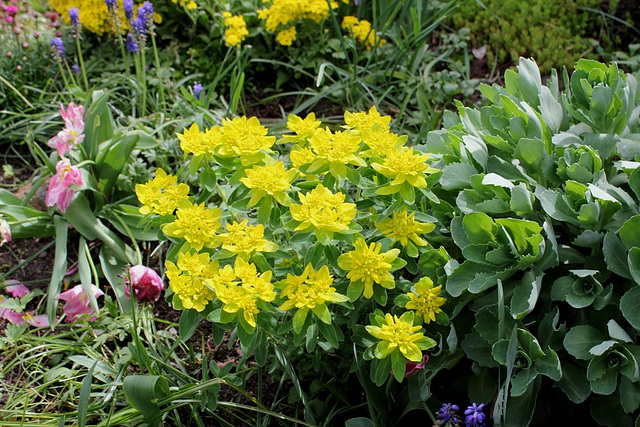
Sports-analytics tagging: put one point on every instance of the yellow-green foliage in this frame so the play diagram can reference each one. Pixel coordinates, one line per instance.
(555, 33)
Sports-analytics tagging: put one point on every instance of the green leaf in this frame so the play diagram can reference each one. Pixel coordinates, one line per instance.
(59, 267)
(615, 255)
(549, 365)
(398, 365)
(634, 264)
(111, 160)
(520, 409)
(380, 370)
(359, 422)
(526, 295)
(521, 381)
(299, 318)
(629, 304)
(574, 383)
(580, 339)
(457, 175)
(630, 232)
(606, 384)
(85, 394)
(98, 123)
(143, 391)
(629, 395)
(188, 323)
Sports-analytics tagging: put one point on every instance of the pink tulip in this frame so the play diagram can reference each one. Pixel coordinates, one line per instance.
(72, 134)
(77, 302)
(59, 192)
(5, 231)
(38, 321)
(13, 317)
(146, 283)
(412, 367)
(17, 290)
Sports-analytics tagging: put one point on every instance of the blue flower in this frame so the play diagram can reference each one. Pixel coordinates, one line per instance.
(57, 47)
(474, 415)
(76, 69)
(198, 90)
(132, 45)
(127, 5)
(74, 16)
(111, 4)
(448, 413)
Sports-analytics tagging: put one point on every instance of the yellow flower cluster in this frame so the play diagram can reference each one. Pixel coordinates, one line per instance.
(402, 227)
(189, 4)
(398, 333)
(272, 179)
(322, 210)
(242, 137)
(239, 289)
(426, 300)
(366, 265)
(196, 224)
(235, 29)
(95, 16)
(188, 279)
(162, 194)
(282, 15)
(244, 239)
(362, 32)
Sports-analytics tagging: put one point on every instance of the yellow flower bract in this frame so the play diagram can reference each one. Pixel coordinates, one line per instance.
(161, 195)
(310, 290)
(426, 300)
(244, 239)
(196, 224)
(235, 29)
(367, 265)
(188, 279)
(402, 227)
(320, 209)
(397, 333)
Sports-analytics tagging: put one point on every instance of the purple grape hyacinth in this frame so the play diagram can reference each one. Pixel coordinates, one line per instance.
(111, 4)
(132, 45)
(474, 416)
(127, 5)
(198, 90)
(448, 413)
(57, 48)
(74, 17)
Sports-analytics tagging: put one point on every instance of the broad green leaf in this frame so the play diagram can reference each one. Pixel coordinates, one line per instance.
(629, 304)
(59, 267)
(629, 395)
(549, 365)
(580, 339)
(188, 323)
(606, 384)
(574, 383)
(634, 263)
(479, 228)
(111, 160)
(142, 392)
(520, 382)
(476, 348)
(520, 409)
(630, 232)
(457, 175)
(359, 422)
(526, 295)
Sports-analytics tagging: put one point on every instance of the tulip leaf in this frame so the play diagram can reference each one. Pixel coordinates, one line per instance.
(143, 392)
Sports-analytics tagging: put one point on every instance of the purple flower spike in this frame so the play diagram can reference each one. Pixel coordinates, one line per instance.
(57, 47)
(448, 412)
(474, 416)
(111, 4)
(132, 46)
(198, 90)
(76, 69)
(127, 5)
(74, 16)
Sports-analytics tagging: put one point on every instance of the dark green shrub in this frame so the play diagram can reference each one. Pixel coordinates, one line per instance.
(555, 33)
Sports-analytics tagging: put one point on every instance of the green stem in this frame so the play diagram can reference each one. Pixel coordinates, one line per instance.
(81, 60)
(143, 75)
(64, 78)
(157, 60)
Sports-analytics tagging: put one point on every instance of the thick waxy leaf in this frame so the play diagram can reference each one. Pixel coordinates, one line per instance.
(581, 339)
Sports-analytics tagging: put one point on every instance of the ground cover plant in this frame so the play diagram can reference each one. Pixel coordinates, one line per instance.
(278, 216)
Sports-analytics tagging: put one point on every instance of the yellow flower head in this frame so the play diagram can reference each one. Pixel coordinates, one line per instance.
(235, 29)
(320, 209)
(403, 165)
(286, 37)
(367, 265)
(381, 142)
(301, 156)
(337, 148)
(362, 32)
(402, 227)
(284, 12)
(371, 120)
(272, 179)
(188, 279)
(194, 141)
(310, 290)
(303, 128)
(195, 224)
(161, 195)
(246, 138)
(425, 300)
(244, 239)
(397, 333)
(242, 296)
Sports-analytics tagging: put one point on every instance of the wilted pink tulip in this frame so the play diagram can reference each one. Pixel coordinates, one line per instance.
(5, 231)
(16, 289)
(77, 302)
(13, 317)
(59, 192)
(72, 134)
(146, 283)
(412, 367)
(39, 321)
